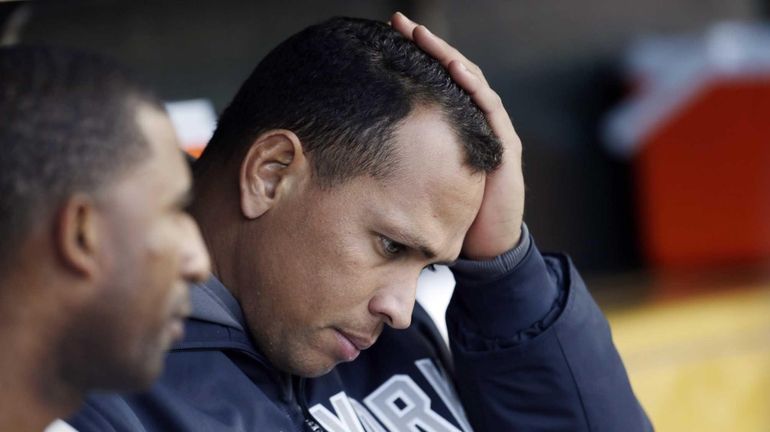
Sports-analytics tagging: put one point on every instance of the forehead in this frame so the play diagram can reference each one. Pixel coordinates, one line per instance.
(165, 168)
(426, 146)
(431, 192)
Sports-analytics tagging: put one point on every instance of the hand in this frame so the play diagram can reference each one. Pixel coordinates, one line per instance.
(497, 227)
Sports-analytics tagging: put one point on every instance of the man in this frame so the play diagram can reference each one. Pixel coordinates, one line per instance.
(97, 249)
(348, 162)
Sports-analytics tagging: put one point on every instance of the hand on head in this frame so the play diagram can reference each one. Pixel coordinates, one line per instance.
(497, 227)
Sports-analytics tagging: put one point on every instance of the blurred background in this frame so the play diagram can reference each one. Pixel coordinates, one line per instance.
(646, 128)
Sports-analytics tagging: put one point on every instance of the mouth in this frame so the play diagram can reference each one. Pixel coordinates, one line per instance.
(182, 312)
(176, 328)
(345, 349)
(182, 307)
(360, 342)
(177, 320)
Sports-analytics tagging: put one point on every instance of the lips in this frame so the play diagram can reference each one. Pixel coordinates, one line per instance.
(182, 312)
(179, 314)
(182, 307)
(360, 342)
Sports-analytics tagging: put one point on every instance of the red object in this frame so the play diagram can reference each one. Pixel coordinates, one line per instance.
(704, 178)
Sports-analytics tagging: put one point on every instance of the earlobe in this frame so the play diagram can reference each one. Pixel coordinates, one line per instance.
(268, 170)
(77, 236)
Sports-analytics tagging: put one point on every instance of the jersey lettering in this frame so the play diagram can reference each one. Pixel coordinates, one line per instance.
(402, 406)
(347, 420)
(444, 389)
(367, 419)
(399, 404)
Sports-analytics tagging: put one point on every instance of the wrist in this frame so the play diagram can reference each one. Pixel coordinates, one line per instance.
(493, 245)
(479, 270)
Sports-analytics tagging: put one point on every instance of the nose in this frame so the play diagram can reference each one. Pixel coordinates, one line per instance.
(196, 264)
(394, 304)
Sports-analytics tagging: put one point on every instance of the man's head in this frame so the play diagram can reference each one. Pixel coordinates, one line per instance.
(97, 248)
(355, 161)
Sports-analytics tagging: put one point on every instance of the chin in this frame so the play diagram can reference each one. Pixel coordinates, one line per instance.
(315, 373)
(308, 369)
(125, 380)
(145, 373)
(144, 379)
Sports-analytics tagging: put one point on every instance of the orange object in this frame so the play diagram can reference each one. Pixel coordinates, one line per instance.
(703, 178)
(195, 151)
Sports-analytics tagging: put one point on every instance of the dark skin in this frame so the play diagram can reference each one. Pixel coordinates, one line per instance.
(98, 290)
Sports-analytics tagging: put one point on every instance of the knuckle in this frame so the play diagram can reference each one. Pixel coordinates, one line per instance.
(495, 98)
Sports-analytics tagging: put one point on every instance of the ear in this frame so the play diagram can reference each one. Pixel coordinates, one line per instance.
(77, 235)
(270, 168)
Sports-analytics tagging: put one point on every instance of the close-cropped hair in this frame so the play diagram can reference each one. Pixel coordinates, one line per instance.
(68, 124)
(343, 87)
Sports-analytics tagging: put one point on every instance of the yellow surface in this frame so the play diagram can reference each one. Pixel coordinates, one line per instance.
(701, 365)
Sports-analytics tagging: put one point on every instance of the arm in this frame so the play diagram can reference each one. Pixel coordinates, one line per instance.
(532, 350)
(535, 352)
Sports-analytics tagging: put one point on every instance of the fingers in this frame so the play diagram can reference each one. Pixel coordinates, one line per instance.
(442, 51)
(486, 99)
(431, 44)
(464, 72)
(403, 25)
(481, 93)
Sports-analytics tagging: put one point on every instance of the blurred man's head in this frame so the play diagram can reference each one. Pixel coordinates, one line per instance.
(347, 162)
(97, 248)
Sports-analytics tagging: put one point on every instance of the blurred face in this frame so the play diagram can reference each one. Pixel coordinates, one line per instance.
(151, 249)
(330, 268)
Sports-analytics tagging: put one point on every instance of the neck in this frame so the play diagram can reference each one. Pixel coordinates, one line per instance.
(32, 394)
(25, 409)
(213, 210)
(33, 389)
(34, 310)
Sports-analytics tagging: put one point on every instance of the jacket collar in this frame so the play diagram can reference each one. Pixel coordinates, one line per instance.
(214, 303)
(216, 321)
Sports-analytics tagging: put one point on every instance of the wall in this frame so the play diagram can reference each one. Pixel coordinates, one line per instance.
(553, 62)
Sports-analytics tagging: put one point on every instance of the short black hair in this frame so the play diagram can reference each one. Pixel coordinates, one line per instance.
(342, 86)
(67, 124)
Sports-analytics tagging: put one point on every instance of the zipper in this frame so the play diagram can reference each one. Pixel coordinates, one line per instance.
(295, 389)
(309, 421)
(290, 394)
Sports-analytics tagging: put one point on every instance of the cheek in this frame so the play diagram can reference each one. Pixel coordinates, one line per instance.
(162, 262)
(350, 270)
(312, 267)
(328, 279)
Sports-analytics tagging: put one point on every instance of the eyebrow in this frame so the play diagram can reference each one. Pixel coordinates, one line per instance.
(416, 242)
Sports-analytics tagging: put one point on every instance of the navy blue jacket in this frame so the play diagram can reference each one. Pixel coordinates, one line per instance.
(560, 373)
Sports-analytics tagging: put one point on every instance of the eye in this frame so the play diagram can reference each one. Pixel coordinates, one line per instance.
(390, 247)
(430, 267)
